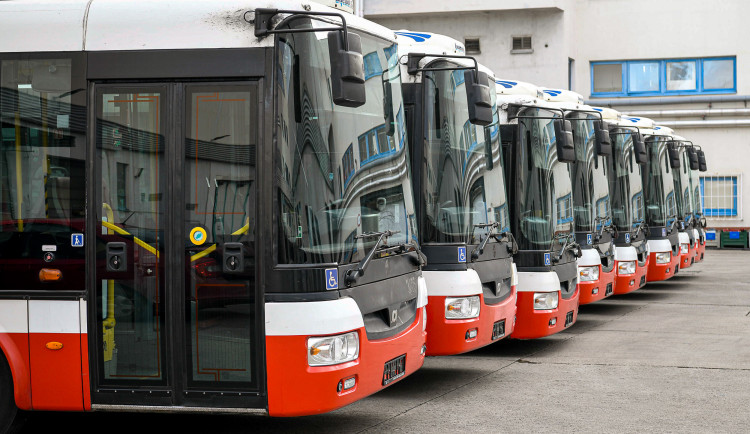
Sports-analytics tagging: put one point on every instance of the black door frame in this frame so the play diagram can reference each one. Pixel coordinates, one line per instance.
(175, 392)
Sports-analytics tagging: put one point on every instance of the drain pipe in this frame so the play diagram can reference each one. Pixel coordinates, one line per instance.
(713, 123)
(689, 113)
(702, 99)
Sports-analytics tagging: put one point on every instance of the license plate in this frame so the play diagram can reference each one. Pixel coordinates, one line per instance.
(609, 290)
(569, 318)
(498, 329)
(394, 369)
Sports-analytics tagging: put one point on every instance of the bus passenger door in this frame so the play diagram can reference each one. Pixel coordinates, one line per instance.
(175, 293)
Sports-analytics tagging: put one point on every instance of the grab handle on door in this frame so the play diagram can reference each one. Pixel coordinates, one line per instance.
(234, 258)
(117, 258)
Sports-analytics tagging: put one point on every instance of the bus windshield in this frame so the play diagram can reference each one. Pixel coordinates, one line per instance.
(339, 172)
(658, 184)
(626, 185)
(696, 196)
(544, 192)
(589, 176)
(463, 181)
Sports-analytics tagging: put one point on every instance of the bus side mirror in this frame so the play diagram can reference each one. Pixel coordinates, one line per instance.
(602, 140)
(347, 70)
(702, 160)
(693, 156)
(478, 97)
(390, 129)
(674, 157)
(566, 152)
(639, 148)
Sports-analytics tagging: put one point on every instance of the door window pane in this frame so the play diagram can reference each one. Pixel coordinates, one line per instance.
(718, 74)
(608, 78)
(643, 77)
(681, 75)
(220, 226)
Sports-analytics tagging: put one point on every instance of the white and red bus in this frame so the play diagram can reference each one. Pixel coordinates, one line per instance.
(199, 210)
(460, 194)
(628, 207)
(592, 208)
(537, 146)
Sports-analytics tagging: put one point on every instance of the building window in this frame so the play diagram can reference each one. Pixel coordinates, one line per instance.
(472, 46)
(372, 65)
(664, 77)
(720, 196)
(521, 44)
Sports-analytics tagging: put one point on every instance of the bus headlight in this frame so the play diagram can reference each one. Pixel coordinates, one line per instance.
(332, 350)
(461, 307)
(545, 300)
(663, 257)
(626, 267)
(684, 248)
(588, 274)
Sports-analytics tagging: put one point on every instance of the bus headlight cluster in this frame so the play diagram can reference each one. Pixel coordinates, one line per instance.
(332, 350)
(461, 307)
(684, 248)
(588, 274)
(663, 257)
(545, 300)
(626, 267)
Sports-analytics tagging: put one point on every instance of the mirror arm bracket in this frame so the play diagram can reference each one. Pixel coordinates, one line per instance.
(263, 24)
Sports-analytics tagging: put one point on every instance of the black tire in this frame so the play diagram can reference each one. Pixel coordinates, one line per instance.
(8, 409)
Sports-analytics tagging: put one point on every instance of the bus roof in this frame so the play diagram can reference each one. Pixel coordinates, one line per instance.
(608, 114)
(637, 122)
(562, 95)
(428, 43)
(104, 25)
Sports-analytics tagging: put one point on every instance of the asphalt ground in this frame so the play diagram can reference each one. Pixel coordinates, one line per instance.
(673, 356)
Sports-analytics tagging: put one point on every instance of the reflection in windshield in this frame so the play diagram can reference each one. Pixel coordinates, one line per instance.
(339, 172)
(695, 187)
(591, 192)
(463, 179)
(658, 184)
(544, 196)
(626, 186)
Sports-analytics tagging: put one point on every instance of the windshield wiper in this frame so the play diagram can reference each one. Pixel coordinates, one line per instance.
(353, 274)
(569, 244)
(641, 226)
(480, 248)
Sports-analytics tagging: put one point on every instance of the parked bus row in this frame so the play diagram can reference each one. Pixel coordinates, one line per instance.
(282, 211)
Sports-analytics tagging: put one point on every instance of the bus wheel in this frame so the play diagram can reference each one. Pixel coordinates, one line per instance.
(8, 407)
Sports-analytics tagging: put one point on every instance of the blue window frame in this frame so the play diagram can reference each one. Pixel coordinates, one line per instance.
(708, 75)
(719, 196)
(347, 162)
(564, 209)
(375, 144)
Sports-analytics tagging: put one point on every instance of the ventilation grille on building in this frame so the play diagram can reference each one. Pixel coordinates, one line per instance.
(521, 43)
(472, 45)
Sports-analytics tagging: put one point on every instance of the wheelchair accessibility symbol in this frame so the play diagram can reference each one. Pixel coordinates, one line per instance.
(547, 259)
(588, 239)
(462, 254)
(332, 278)
(627, 238)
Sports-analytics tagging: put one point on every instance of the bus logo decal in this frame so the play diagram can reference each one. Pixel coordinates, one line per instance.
(547, 259)
(76, 240)
(462, 254)
(332, 278)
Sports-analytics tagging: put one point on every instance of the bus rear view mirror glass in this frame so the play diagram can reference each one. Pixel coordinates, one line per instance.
(566, 152)
(602, 140)
(702, 161)
(478, 97)
(639, 148)
(693, 156)
(347, 70)
(674, 156)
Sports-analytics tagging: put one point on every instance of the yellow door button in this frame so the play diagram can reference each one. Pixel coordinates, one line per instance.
(198, 236)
